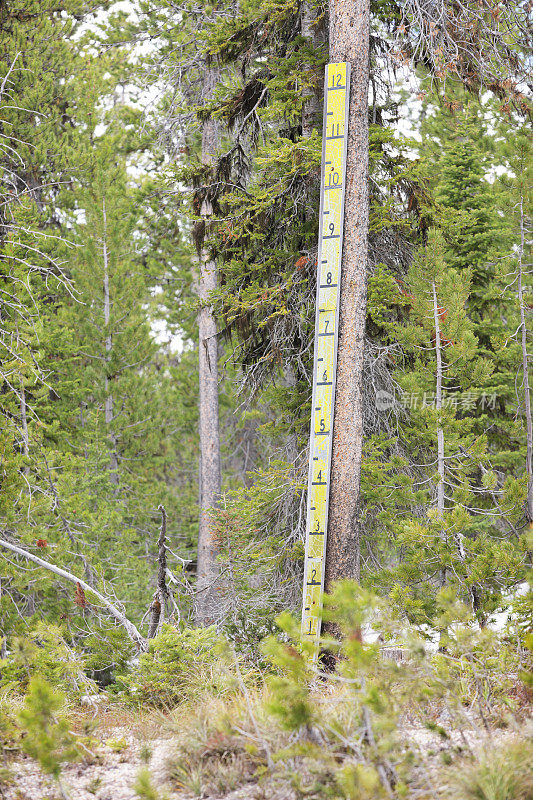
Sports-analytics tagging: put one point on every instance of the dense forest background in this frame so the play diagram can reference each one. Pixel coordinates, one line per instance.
(160, 176)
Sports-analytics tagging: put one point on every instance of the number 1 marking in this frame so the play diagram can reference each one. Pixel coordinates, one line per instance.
(331, 220)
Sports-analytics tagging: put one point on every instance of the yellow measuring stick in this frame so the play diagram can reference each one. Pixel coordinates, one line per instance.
(335, 136)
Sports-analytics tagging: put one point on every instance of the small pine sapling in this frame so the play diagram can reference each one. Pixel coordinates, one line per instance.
(47, 737)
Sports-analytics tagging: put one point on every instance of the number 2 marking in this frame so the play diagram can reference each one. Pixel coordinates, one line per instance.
(329, 262)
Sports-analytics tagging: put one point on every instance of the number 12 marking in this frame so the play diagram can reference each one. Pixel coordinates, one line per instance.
(334, 144)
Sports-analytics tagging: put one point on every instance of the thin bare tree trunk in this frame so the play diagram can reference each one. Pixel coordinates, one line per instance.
(207, 604)
(108, 407)
(160, 600)
(121, 618)
(525, 370)
(3, 646)
(440, 429)
(24, 421)
(349, 31)
(24, 418)
(438, 405)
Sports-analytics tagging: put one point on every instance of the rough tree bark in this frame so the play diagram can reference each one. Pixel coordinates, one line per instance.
(207, 601)
(349, 31)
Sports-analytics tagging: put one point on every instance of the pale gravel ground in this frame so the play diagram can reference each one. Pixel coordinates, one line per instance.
(117, 773)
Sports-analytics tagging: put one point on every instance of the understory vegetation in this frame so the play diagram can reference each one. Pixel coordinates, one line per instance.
(160, 181)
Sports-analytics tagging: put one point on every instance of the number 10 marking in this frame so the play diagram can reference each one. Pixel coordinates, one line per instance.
(331, 222)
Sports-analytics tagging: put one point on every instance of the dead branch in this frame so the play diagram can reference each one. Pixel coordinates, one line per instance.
(121, 618)
(162, 594)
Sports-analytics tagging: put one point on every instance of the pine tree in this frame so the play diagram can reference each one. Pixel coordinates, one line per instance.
(40, 69)
(93, 441)
(517, 285)
(458, 544)
(474, 213)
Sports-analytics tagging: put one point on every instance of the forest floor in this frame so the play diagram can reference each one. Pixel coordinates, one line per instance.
(121, 742)
(114, 758)
(111, 775)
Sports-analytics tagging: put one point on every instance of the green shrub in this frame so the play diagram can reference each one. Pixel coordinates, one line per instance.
(476, 665)
(117, 745)
(245, 631)
(521, 618)
(45, 653)
(179, 665)
(357, 732)
(143, 786)
(47, 738)
(107, 652)
(9, 730)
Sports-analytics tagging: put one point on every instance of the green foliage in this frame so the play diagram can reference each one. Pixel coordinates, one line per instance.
(106, 652)
(460, 543)
(522, 611)
(10, 733)
(179, 665)
(252, 527)
(245, 631)
(290, 701)
(44, 653)
(98, 376)
(143, 786)
(86, 403)
(343, 733)
(47, 738)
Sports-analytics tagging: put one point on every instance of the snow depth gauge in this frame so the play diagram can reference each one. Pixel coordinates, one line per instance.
(335, 137)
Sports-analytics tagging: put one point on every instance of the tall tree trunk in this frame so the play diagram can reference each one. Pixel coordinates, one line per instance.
(208, 605)
(108, 407)
(312, 32)
(440, 429)
(24, 418)
(438, 405)
(349, 31)
(525, 370)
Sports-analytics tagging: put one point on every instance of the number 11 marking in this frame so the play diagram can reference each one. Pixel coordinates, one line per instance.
(331, 221)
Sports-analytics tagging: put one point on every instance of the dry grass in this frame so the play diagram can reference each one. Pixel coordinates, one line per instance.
(220, 746)
(106, 721)
(503, 773)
